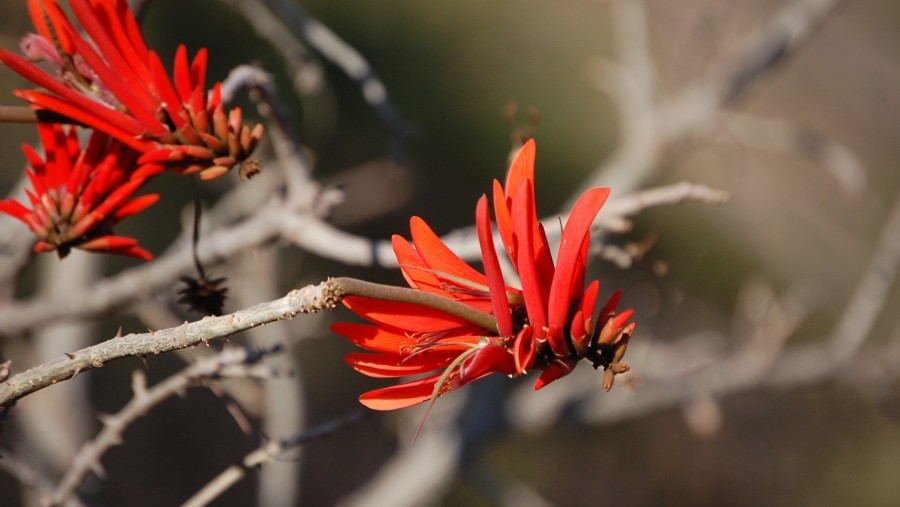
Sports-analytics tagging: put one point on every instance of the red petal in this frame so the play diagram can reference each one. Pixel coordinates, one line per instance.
(588, 302)
(400, 396)
(405, 316)
(573, 237)
(499, 301)
(15, 208)
(128, 89)
(556, 370)
(504, 223)
(166, 91)
(132, 251)
(535, 293)
(417, 274)
(182, 73)
(491, 358)
(393, 366)
(134, 206)
(374, 338)
(114, 123)
(522, 167)
(438, 257)
(525, 350)
(40, 11)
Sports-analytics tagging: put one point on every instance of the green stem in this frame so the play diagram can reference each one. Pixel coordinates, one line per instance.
(354, 287)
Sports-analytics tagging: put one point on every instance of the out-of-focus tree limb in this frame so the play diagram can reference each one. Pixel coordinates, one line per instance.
(650, 124)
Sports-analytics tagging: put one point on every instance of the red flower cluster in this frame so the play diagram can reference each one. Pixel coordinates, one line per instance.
(100, 74)
(550, 324)
(109, 81)
(78, 195)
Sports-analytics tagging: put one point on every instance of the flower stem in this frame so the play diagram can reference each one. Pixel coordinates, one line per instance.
(17, 114)
(354, 287)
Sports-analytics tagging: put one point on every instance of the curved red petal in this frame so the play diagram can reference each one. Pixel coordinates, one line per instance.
(438, 256)
(374, 338)
(135, 205)
(588, 303)
(400, 396)
(417, 274)
(406, 316)
(393, 366)
(532, 287)
(556, 370)
(491, 358)
(116, 124)
(524, 349)
(504, 223)
(499, 301)
(522, 167)
(573, 237)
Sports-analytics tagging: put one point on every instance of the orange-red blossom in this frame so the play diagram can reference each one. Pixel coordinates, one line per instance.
(550, 324)
(77, 195)
(106, 78)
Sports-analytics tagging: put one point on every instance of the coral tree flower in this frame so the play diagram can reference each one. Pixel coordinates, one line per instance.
(548, 324)
(107, 79)
(77, 195)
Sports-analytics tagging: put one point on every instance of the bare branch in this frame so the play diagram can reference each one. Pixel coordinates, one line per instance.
(651, 126)
(308, 76)
(266, 453)
(784, 137)
(144, 399)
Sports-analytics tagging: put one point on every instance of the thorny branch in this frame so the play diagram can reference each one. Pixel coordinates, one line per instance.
(309, 299)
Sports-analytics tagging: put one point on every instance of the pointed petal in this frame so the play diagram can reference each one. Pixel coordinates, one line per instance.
(405, 316)
(558, 369)
(573, 236)
(417, 274)
(438, 256)
(504, 223)
(135, 205)
(522, 167)
(374, 338)
(499, 301)
(535, 293)
(393, 366)
(400, 396)
(491, 358)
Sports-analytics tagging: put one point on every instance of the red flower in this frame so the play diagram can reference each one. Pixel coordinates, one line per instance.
(109, 81)
(550, 324)
(78, 195)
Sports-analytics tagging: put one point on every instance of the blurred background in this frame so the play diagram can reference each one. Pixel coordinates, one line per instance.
(767, 351)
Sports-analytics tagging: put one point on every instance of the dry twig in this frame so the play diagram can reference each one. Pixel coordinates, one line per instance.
(144, 399)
